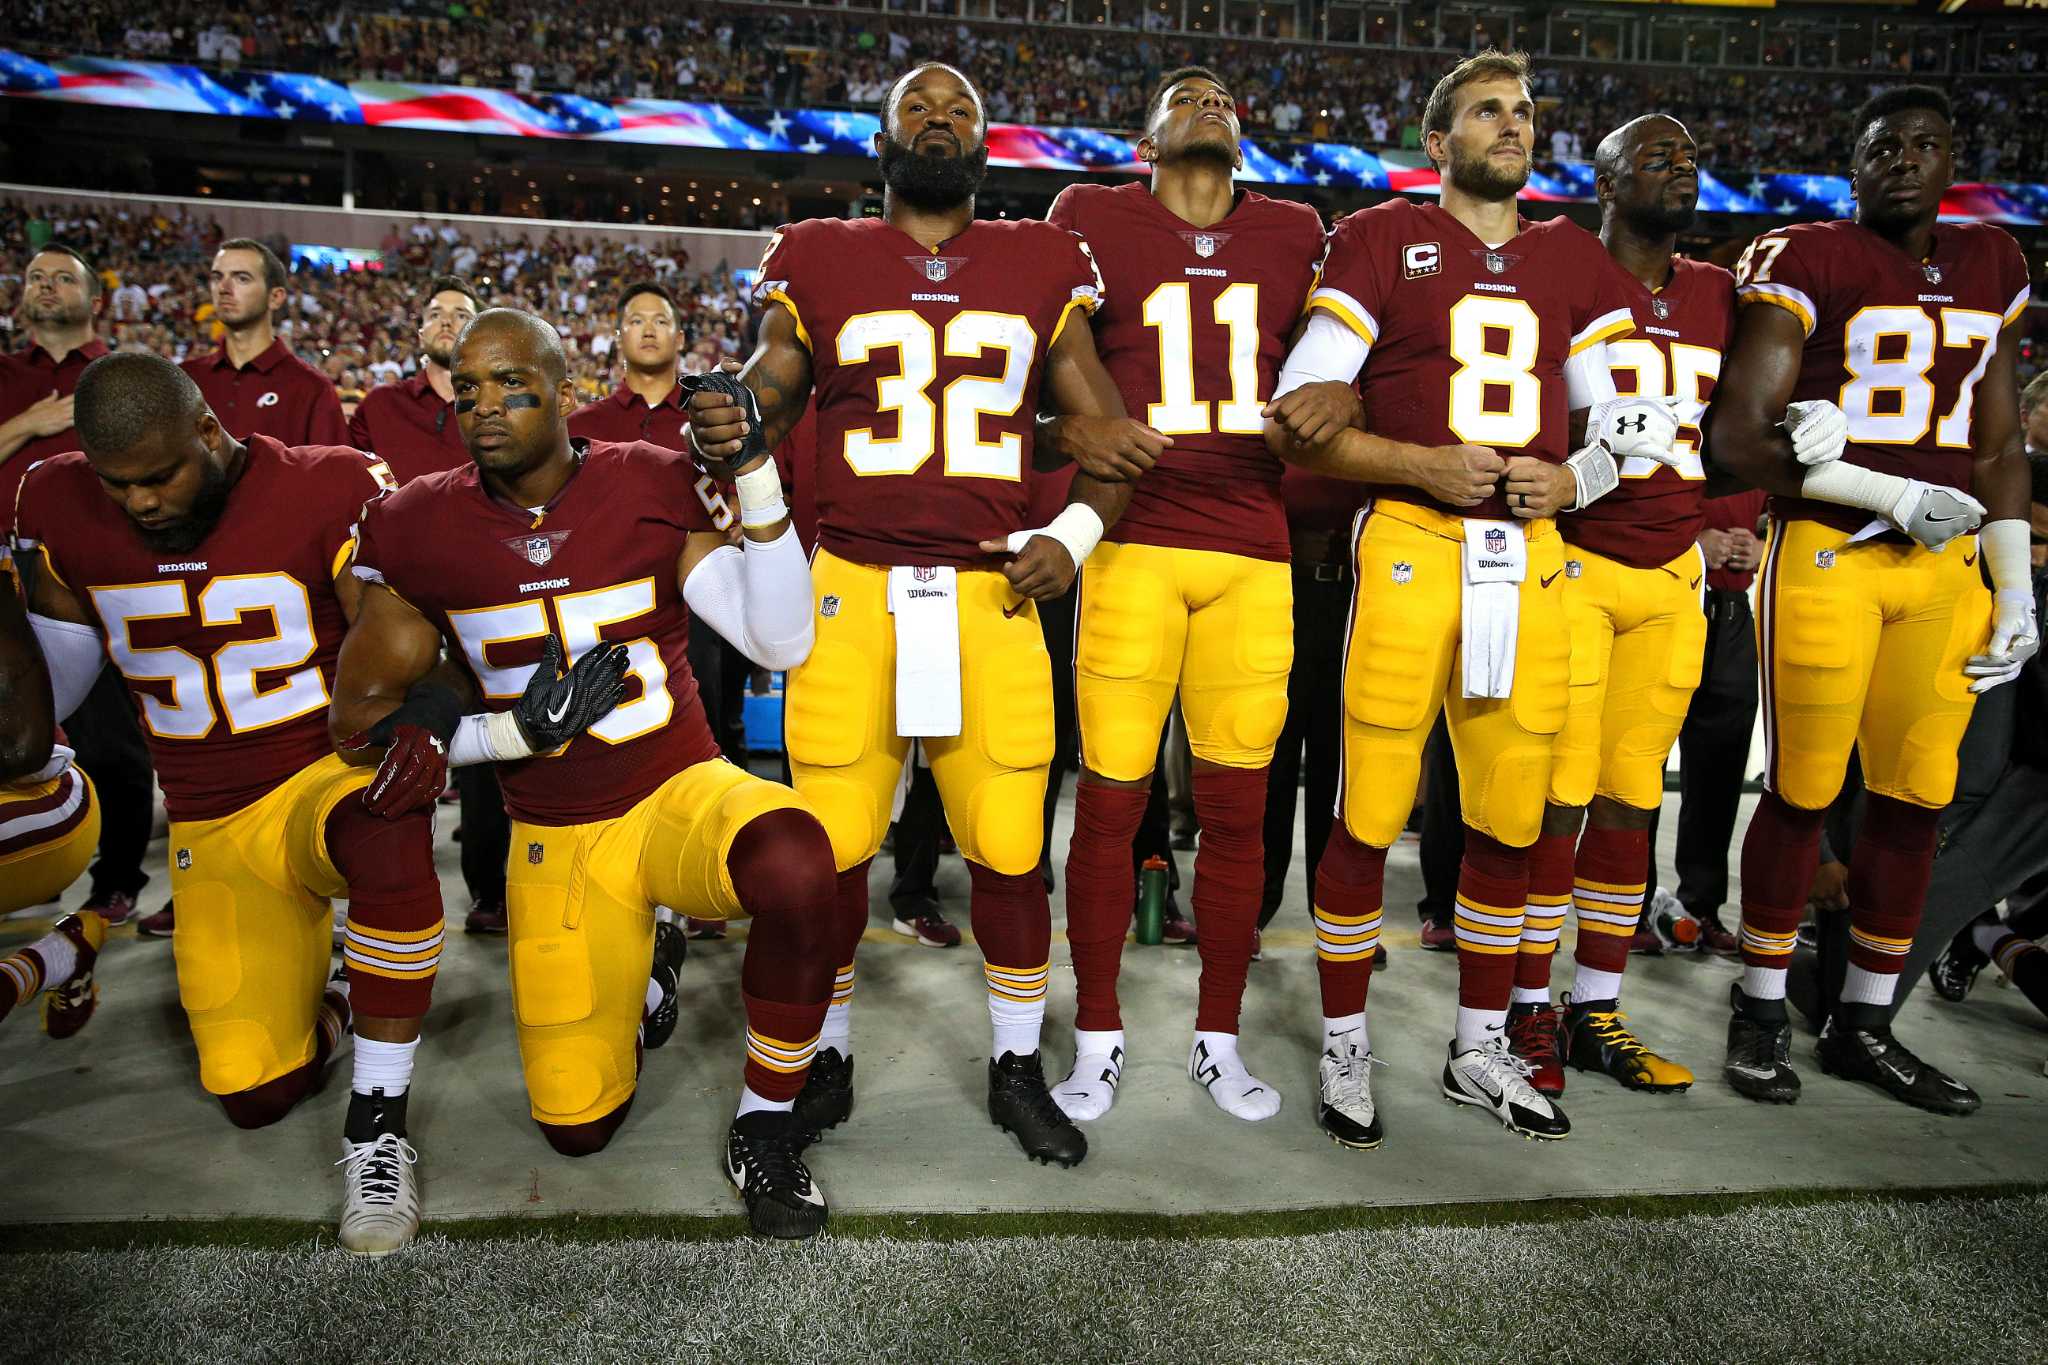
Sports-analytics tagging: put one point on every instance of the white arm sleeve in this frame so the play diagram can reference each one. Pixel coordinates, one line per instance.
(1588, 380)
(759, 598)
(1328, 351)
(74, 657)
(1853, 486)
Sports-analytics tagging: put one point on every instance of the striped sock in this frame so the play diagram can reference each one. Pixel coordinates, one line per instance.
(1349, 884)
(22, 974)
(1493, 895)
(1608, 882)
(781, 1040)
(1550, 891)
(838, 1034)
(1016, 1006)
(392, 970)
(2024, 963)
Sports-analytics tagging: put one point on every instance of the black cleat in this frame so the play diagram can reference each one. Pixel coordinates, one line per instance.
(1020, 1104)
(1955, 971)
(1874, 1056)
(764, 1161)
(1760, 1051)
(827, 1097)
(670, 948)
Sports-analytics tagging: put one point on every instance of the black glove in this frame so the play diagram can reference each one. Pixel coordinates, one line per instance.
(557, 707)
(740, 396)
(414, 770)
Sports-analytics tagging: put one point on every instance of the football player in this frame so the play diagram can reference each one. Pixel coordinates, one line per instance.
(1190, 592)
(1632, 577)
(166, 546)
(927, 335)
(1475, 333)
(49, 825)
(548, 548)
(1874, 628)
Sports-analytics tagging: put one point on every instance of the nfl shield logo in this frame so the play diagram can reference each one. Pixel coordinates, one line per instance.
(539, 550)
(1824, 559)
(1932, 272)
(935, 270)
(1495, 262)
(1572, 568)
(1660, 308)
(829, 605)
(184, 860)
(923, 574)
(1496, 540)
(534, 853)
(1205, 245)
(1403, 571)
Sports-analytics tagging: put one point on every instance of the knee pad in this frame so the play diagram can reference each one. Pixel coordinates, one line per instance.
(1006, 814)
(566, 1076)
(584, 1139)
(782, 858)
(262, 1105)
(378, 856)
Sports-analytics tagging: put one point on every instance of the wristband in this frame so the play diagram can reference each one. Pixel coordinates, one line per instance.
(760, 491)
(1077, 527)
(1595, 473)
(2005, 545)
(488, 737)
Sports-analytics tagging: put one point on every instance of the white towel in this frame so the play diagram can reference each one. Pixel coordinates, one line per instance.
(1496, 561)
(926, 605)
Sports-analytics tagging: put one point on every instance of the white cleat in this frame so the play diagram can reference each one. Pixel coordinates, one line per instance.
(1496, 1080)
(1344, 1108)
(1213, 1061)
(1090, 1088)
(381, 1210)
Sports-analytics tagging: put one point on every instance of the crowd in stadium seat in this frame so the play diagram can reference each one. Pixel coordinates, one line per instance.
(1747, 119)
(361, 328)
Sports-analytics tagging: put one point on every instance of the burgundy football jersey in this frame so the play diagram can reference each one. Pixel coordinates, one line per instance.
(625, 416)
(1897, 344)
(1681, 332)
(1469, 341)
(228, 648)
(925, 369)
(1193, 329)
(597, 563)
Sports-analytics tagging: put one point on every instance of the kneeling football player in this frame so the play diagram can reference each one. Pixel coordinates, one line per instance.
(49, 826)
(167, 545)
(618, 796)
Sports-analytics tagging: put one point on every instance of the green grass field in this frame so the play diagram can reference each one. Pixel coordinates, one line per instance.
(1785, 1277)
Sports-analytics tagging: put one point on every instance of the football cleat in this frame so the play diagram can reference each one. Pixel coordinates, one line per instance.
(1594, 1040)
(670, 950)
(827, 1097)
(1344, 1109)
(1759, 1063)
(764, 1161)
(1955, 971)
(1020, 1104)
(1495, 1079)
(70, 1003)
(1873, 1055)
(1532, 1036)
(380, 1209)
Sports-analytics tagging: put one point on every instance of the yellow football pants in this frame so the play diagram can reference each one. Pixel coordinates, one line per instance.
(48, 832)
(1403, 664)
(1216, 628)
(846, 756)
(1637, 638)
(1864, 645)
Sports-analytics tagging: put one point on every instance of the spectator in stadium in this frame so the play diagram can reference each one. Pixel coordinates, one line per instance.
(62, 295)
(410, 423)
(253, 383)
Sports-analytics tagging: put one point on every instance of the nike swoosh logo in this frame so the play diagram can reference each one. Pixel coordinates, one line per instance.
(1552, 579)
(555, 714)
(1930, 517)
(1695, 581)
(1969, 559)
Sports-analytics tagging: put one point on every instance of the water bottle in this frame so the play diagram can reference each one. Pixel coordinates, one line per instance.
(1152, 886)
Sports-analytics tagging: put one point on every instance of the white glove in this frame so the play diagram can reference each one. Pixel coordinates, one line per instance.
(1934, 514)
(1818, 430)
(1635, 426)
(2015, 638)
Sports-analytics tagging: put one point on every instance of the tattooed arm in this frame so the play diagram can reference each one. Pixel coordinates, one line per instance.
(779, 375)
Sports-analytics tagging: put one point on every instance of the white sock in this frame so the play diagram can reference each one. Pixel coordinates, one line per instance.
(750, 1102)
(1763, 983)
(1336, 1027)
(1529, 995)
(385, 1066)
(1986, 936)
(838, 1031)
(60, 958)
(1591, 984)
(664, 915)
(1863, 987)
(1090, 1088)
(1016, 1024)
(1214, 1062)
(1476, 1028)
(654, 994)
